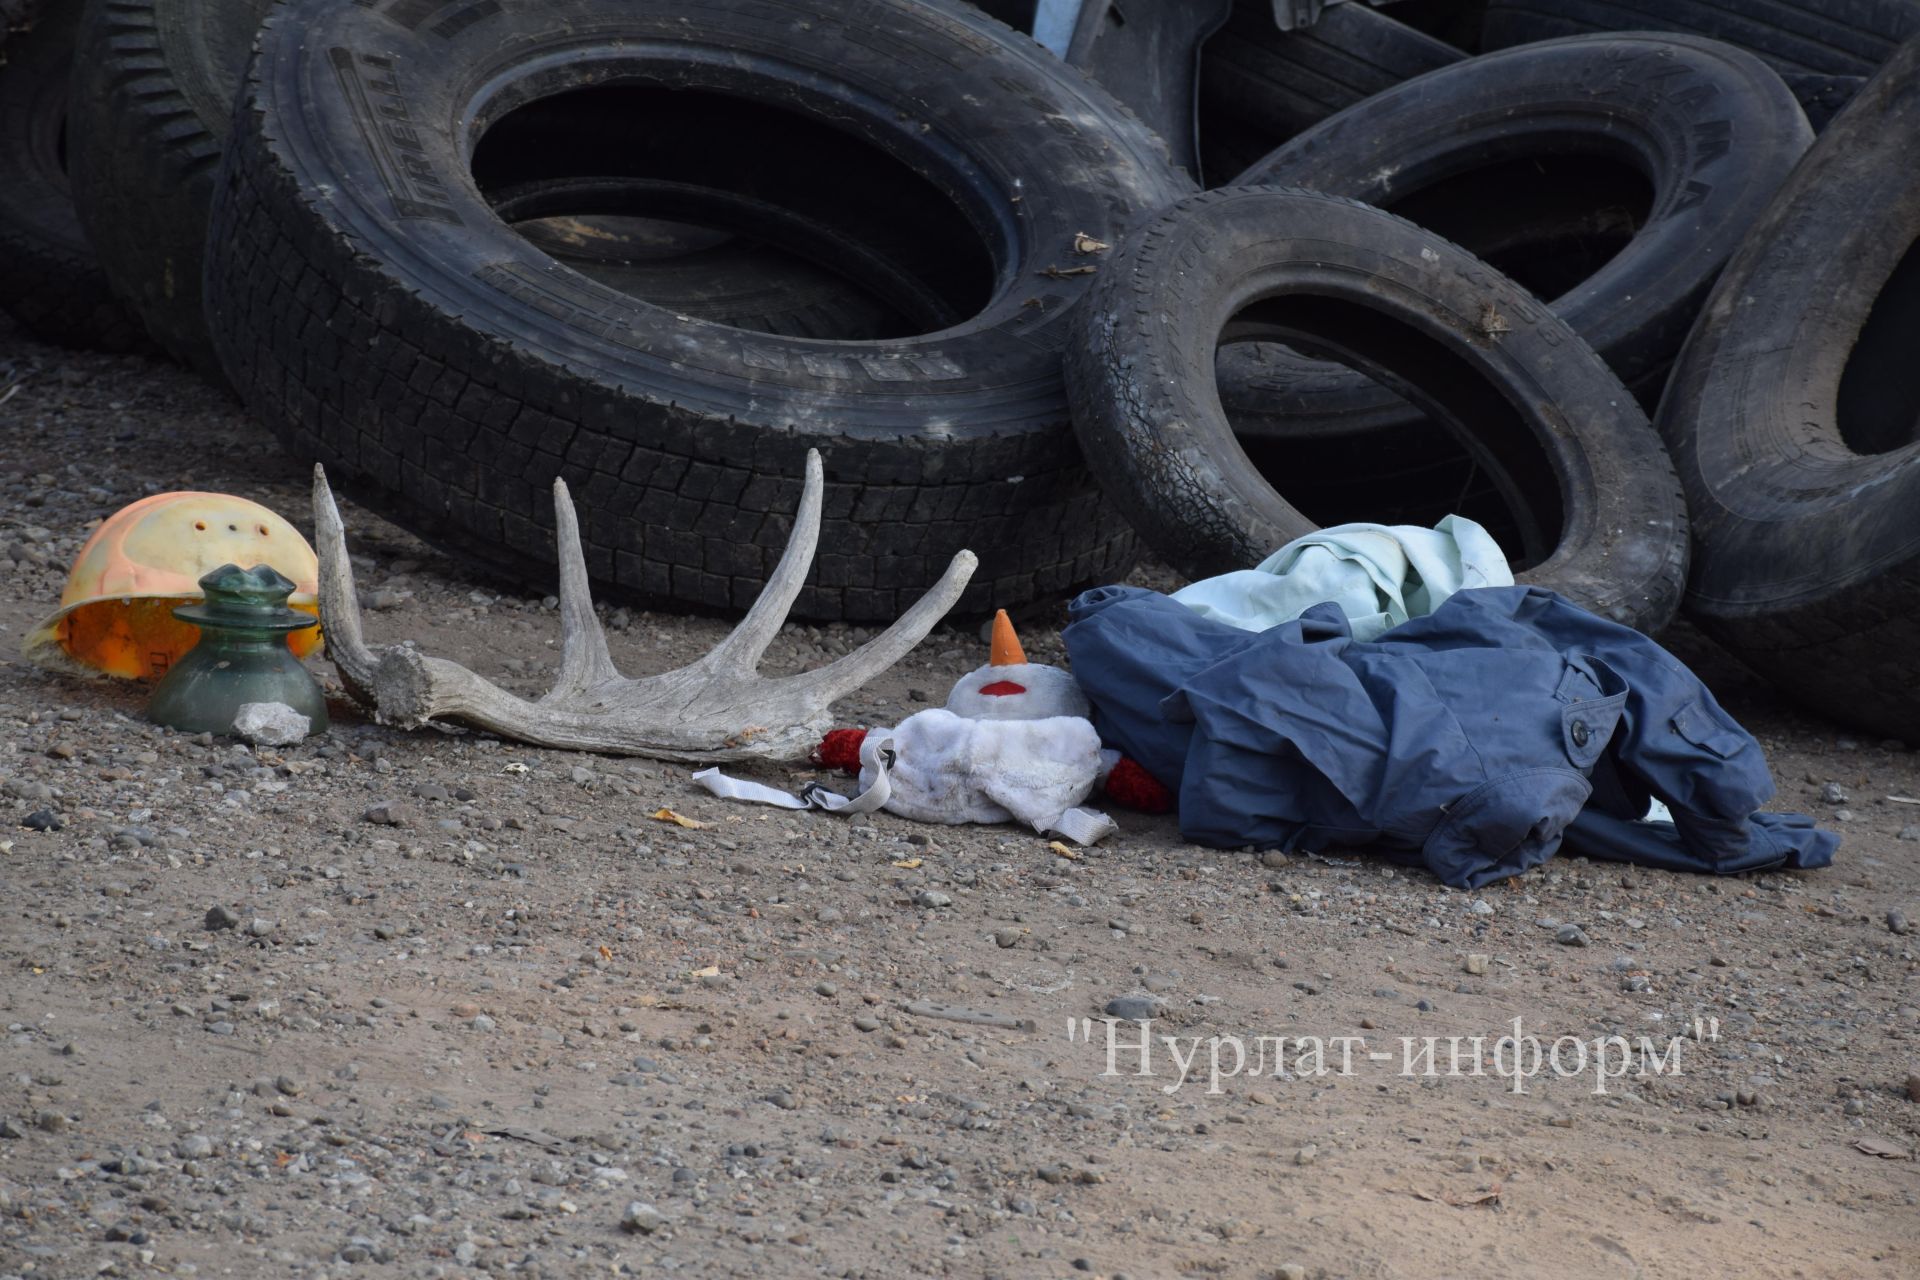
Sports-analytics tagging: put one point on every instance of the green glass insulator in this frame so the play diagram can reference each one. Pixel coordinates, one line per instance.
(241, 655)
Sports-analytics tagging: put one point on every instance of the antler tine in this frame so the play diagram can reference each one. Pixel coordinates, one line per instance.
(584, 661)
(339, 602)
(837, 679)
(739, 654)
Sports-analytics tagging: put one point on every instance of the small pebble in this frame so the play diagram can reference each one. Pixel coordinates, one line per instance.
(1134, 1008)
(641, 1219)
(392, 813)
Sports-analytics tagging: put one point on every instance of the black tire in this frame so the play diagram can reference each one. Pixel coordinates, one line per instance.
(1259, 85)
(1475, 350)
(17, 16)
(1794, 419)
(458, 369)
(718, 256)
(152, 104)
(1821, 46)
(1148, 57)
(1613, 175)
(49, 279)
(1822, 96)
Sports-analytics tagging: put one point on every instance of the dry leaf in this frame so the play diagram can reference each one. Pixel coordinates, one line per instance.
(1882, 1148)
(1063, 851)
(908, 864)
(1084, 243)
(606, 953)
(1490, 1196)
(678, 819)
(711, 971)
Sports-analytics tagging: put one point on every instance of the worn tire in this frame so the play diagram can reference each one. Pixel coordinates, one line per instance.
(1821, 47)
(1259, 85)
(1711, 131)
(49, 279)
(151, 105)
(1822, 96)
(714, 255)
(1475, 350)
(1793, 421)
(17, 16)
(385, 322)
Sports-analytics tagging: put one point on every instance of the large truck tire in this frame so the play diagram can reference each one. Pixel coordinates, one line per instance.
(369, 306)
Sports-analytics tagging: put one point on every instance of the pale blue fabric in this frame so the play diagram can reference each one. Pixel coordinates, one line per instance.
(1380, 576)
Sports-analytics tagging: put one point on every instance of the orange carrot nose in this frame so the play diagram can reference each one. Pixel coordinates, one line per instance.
(1006, 645)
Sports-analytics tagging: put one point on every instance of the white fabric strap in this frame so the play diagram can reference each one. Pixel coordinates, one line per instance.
(1084, 826)
(741, 789)
(813, 795)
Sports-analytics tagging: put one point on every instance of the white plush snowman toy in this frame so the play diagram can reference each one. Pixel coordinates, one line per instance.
(1013, 742)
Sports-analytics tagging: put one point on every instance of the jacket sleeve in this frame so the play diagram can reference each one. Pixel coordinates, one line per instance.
(1680, 745)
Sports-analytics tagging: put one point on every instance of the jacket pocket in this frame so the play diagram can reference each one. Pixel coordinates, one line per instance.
(1710, 729)
(1594, 696)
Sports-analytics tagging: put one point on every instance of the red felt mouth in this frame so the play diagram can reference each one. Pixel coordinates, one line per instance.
(1002, 688)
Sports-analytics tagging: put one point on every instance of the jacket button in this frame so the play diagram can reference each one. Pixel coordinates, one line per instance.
(1580, 733)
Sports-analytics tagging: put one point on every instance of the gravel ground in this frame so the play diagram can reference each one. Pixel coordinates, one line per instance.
(523, 1028)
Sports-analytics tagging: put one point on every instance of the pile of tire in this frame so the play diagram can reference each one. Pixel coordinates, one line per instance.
(453, 248)
(1627, 283)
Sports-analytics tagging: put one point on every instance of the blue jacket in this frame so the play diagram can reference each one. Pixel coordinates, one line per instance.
(1475, 739)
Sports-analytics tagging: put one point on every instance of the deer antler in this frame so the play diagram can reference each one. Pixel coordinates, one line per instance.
(719, 708)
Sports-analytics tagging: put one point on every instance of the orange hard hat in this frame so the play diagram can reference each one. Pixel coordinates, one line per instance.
(116, 615)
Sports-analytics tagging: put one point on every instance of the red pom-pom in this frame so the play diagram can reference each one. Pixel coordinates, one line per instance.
(840, 749)
(1132, 787)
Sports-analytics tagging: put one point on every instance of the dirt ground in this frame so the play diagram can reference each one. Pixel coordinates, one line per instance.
(529, 1030)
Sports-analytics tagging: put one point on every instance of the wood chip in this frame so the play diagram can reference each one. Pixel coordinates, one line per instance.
(678, 819)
